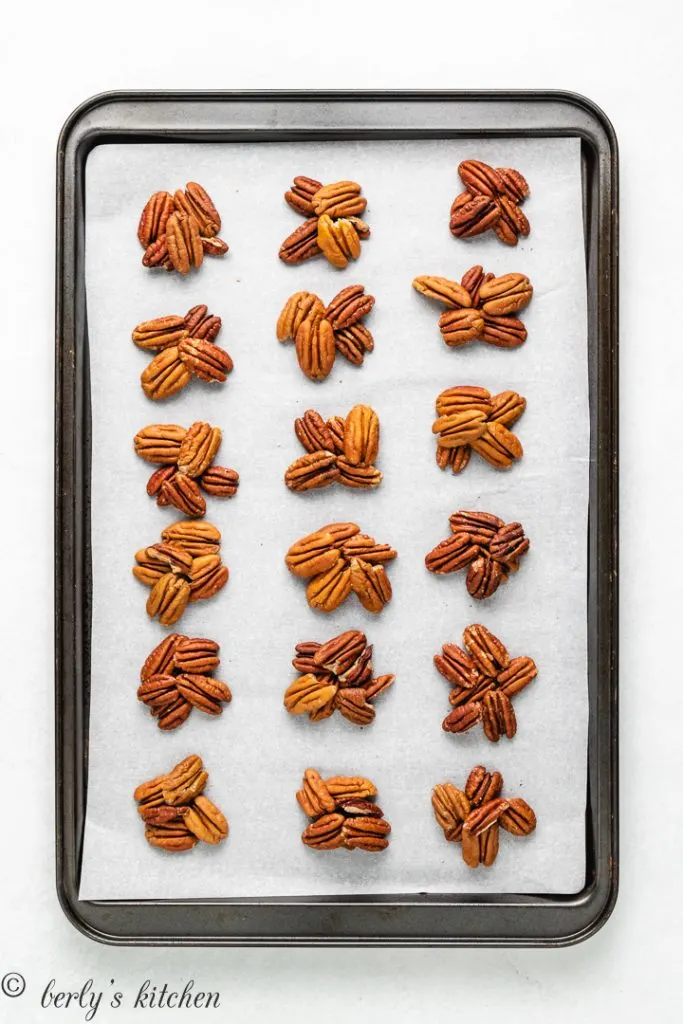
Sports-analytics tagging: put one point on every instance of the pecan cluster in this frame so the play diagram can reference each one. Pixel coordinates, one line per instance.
(339, 451)
(177, 231)
(470, 418)
(320, 332)
(343, 813)
(490, 202)
(336, 676)
(332, 228)
(487, 545)
(475, 815)
(185, 347)
(186, 461)
(176, 677)
(338, 559)
(484, 678)
(175, 811)
(480, 308)
(185, 567)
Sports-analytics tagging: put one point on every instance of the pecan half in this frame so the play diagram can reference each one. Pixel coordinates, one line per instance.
(195, 655)
(302, 244)
(220, 481)
(518, 818)
(450, 293)
(353, 342)
(460, 326)
(482, 786)
(300, 196)
(504, 295)
(370, 584)
(198, 449)
(325, 833)
(313, 433)
(361, 436)
(154, 217)
(308, 693)
(341, 199)
(298, 308)
(160, 443)
(313, 470)
(205, 360)
(162, 658)
(484, 576)
(462, 718)
(165, 375)
(327, 590)
(474, 217)
(498, 716)
(349, 306)
(451, 807)
(205, 821)
(315, 348)
(160, 333)
(338, 240)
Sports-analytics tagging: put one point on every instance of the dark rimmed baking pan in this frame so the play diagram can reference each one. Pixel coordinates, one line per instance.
(428, 920)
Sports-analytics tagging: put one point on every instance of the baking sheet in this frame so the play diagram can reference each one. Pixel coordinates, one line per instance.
(255, 752)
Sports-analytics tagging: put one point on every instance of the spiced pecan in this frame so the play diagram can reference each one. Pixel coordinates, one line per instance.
(204, 693)
(498, 446)
(207, 576)
(450, 293)
(313, 433)
(498, 716)
(353, 704)
(198, 449)
(457, 667)
(165, 375)
(195, 655)
(308, 693)
(464, 398)
(300, 196)
(360, 477)
(193, 536)
(325, 833)
(484, 576)
(460, 326)
(302, 244)
(160, 333)
(474, 217)
(206, 821)
(503, 331)
(349, 306)
(220, 481)
(338, 240)
(341, 199)
(366, 833)
(451, 554)
(518, 819)
(315, 348)
(314, 797)
(155, 214)
(485, 650)
(506, 408)
(451, 807)
(504, 295)
(160, 443)
(370, 584)
(353, 342)
(313, 470)
(482, 785)
(185, 782)
(298, 308)
(463, 718)
(162, 659)
(168, 598)
(480, 179)
(207, 361)
(182, 493)
(341, 652)
(329, 589)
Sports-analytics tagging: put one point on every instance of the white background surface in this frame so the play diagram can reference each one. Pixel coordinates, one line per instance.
(256, 752)
(626, 59)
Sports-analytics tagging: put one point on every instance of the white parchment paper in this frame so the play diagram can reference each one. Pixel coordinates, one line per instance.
(255, 751)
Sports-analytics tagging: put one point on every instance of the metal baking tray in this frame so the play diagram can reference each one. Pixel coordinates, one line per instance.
(420, 920)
